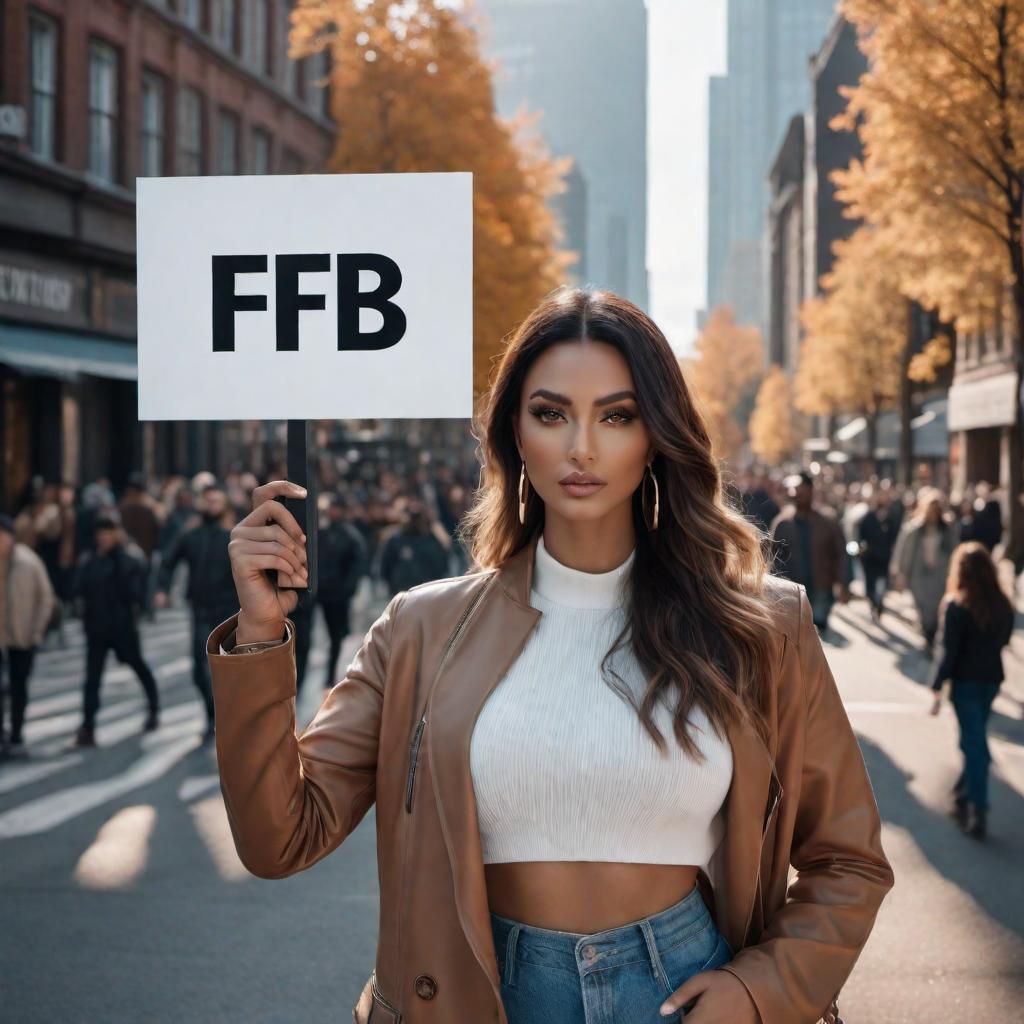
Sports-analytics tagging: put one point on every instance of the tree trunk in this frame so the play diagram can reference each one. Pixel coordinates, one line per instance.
(871, 436)
(905, 461)
(1014, 483)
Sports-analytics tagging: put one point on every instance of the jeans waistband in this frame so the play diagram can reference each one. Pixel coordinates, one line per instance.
(608, 948)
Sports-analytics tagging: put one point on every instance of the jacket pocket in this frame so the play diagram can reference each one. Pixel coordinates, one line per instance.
(414, 751)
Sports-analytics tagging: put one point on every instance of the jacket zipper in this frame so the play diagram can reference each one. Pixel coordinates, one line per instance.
(414, 750)
(760, 850)
(414, 745)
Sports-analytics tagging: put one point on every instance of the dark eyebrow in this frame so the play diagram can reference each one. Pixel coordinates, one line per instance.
(554, 396)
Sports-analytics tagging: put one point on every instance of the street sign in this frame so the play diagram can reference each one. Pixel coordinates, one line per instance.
(300, 297)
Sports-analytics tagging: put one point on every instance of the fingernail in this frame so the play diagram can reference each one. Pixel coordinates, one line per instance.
(302, 491)
(666, 1010)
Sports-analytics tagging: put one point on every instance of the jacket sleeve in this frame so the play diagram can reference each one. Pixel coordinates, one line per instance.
(291, 800)
(809, 947)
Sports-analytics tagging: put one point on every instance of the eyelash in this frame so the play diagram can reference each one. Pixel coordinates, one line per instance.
(540, 410)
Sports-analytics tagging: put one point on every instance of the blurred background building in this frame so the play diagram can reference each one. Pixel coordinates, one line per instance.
(769, 45)
(584, 64)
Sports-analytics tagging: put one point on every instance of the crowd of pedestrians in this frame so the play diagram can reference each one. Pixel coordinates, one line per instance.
(944, 550)
(113, 560)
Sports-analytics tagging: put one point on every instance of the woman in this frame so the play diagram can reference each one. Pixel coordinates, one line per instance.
(551, 847)
(920, 559)
(977, 625)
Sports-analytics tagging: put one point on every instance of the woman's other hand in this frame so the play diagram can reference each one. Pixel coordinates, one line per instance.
(722, 997)
(268, 538)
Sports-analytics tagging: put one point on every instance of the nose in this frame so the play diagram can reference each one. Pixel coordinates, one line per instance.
(581, 450)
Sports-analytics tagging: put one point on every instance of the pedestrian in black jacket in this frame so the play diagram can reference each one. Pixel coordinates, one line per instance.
(211, 587)
(876, 534)
(977, 624)
(342, 560)
(110, 584)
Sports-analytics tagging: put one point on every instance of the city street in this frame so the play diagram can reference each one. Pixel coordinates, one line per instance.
(124, 899)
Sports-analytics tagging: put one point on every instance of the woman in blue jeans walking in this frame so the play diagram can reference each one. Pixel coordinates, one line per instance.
(977, 625)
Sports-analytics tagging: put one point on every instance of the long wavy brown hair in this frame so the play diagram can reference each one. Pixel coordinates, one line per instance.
(697, 617)
(973, 583)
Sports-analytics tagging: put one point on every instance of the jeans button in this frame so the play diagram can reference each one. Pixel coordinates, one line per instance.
(589, 953)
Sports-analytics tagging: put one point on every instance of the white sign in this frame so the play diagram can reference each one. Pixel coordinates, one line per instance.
(308, 296)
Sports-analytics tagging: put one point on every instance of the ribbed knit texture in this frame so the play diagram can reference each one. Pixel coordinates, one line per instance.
(563, 769)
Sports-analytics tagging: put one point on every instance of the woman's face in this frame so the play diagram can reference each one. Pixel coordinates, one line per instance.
(566, 424)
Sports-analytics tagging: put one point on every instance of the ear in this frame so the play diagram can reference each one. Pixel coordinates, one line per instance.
(515, 431)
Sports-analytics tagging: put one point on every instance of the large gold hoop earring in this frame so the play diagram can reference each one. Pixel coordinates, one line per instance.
(522, 496)
(643, 498)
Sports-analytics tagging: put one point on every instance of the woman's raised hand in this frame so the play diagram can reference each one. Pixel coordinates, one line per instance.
(267, 538)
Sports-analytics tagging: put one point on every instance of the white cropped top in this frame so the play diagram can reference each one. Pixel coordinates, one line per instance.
(563, 769)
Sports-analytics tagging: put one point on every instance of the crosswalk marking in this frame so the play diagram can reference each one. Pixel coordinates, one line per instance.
(54, 713)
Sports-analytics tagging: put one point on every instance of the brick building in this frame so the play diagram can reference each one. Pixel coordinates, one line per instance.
(93, 95)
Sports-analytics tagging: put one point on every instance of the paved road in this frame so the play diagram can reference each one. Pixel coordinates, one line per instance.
(123, 899)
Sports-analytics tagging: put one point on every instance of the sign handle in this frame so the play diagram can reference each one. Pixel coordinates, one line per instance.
(303, 469)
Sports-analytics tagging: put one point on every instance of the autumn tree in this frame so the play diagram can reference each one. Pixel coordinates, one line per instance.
(855, 334)
(941, 114)
(728, 364)
(773, 434)
(411, 92)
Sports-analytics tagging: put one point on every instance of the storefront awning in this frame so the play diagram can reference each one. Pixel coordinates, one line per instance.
(40, 350)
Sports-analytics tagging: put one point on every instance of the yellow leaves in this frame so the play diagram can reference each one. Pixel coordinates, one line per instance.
(925, 364)
(942, 128)
(855, 334)
(773, 434)
(729, 361)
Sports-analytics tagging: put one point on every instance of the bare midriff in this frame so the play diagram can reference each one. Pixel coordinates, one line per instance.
(585, 896)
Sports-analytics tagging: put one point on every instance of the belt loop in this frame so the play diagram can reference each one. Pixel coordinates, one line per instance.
(510, 953)
(657, 968)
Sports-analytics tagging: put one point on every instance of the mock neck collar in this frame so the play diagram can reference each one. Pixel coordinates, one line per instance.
(574, 588)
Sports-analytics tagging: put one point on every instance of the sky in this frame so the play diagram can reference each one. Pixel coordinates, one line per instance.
(686, 44)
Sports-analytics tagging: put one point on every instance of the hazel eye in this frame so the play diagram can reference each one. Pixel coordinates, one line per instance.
(626, 416)
(540, 410)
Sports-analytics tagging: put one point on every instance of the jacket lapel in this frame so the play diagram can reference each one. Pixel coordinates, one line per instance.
(499, 626)
(734, 867)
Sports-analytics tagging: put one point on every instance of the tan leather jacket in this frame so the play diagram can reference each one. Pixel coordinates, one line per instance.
(395, 732)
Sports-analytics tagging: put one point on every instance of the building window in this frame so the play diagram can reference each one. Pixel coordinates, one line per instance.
(222, 23)
(189, 11)
(103, 111)
(190, 131)
(42, 129)
(317, 84)
(151, 159)
(289, 67)
(257, 29)
(227, 143)
(259, 161)
(291, 162)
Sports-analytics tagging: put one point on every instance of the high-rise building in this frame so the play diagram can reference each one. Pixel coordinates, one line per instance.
(583, 63)
(769, 45)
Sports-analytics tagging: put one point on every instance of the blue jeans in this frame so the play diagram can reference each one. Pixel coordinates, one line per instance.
(821, 599)
(972, 702)
(618, 976)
